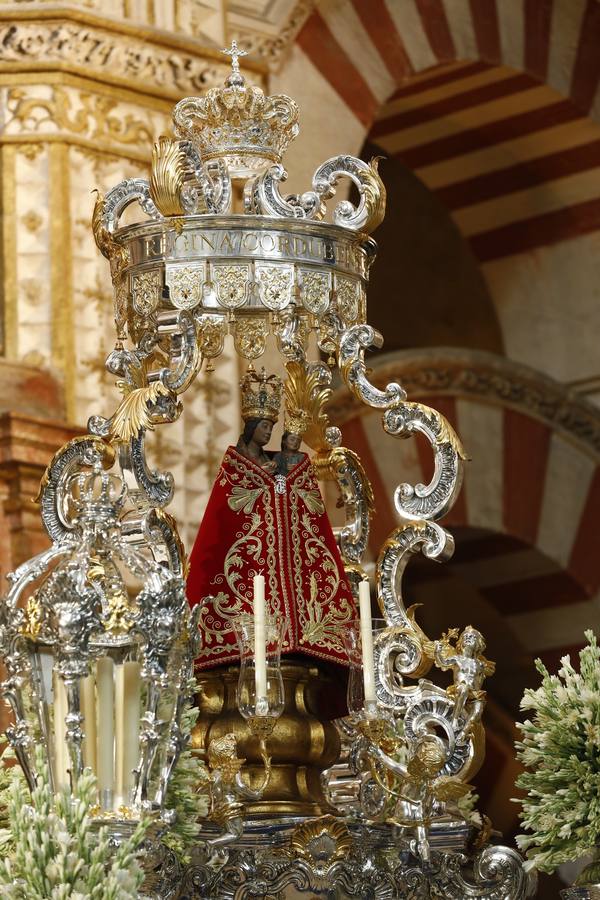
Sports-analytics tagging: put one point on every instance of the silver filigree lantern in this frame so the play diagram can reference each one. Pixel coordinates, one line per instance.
(99, 643)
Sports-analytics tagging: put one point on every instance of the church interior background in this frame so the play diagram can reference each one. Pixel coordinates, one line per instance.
(486, 289)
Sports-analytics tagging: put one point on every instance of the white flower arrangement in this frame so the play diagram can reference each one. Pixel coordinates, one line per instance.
(50, 851)
(56, 855)
(560, 750)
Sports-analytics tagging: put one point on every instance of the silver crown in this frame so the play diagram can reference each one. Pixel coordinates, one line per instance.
(238, 124)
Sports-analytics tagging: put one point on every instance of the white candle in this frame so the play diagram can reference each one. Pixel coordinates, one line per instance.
(105, 736)
(127, 722)
(61, 754)
(366, 639)
(119, 736)
(260, 656)
(88, 711)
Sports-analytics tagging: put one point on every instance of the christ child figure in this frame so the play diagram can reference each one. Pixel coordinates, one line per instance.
(289, 455)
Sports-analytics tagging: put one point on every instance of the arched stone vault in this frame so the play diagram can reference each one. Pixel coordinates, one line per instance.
(555, 42)
(494, 107)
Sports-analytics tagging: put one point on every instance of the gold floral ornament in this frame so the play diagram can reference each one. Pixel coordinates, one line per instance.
(211, 335)
(119, 612)
(169, 172)
(315, 290)
(185, 285)
(33, 618)
(232, 284)
(118, 257)
(305, 400)
(374, 194)
(140, 410)
(146, 289)
(347, 293)
(275, 285)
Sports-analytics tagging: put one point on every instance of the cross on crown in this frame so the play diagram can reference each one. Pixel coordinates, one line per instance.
(234, 52)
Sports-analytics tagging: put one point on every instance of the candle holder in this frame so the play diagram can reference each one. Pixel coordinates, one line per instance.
(260, 691)
(260, 694)
(360, 709)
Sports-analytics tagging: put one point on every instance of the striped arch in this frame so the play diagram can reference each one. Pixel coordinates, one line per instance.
(525, 519)
(488, 102)
(495, 106)
(514, 163)
(555, 41)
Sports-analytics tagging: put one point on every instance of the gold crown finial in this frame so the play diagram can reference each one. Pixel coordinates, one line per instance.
(261, 395)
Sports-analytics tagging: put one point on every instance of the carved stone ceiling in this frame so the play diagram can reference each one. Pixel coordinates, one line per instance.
(263, 16)
(265, 28)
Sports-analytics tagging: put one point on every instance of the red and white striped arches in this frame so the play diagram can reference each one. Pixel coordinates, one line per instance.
(531, 491)
(487, 102)
(556, 41)
(516, 165)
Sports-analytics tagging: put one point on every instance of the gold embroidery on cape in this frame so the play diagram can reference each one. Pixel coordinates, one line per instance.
(313, 501)
(255, 540)
(261, 541)
(220, 610)
(243, 498)
(315, 628)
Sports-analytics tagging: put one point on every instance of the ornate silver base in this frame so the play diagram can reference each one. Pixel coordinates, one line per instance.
(376, 864)
(589, 892)
(162, 870)
(160, 865)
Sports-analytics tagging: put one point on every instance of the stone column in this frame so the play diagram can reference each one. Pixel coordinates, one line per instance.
(85, 91)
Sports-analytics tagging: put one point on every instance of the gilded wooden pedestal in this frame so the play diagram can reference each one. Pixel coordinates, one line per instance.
(303, 744)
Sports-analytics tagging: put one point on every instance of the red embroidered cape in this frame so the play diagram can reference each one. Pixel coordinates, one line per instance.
(257, 522)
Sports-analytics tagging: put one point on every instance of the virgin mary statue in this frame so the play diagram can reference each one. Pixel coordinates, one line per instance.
(266, 515)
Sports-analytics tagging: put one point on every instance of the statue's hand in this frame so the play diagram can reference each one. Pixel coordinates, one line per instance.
(270, 467)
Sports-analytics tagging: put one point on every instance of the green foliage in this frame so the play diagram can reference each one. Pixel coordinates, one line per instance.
(560, 748)
(187, 794)
(8, 774)
(56, 855)
(467, 807)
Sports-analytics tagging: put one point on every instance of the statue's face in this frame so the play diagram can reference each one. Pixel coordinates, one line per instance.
(262, 432)
(471, 642)
(293, 441)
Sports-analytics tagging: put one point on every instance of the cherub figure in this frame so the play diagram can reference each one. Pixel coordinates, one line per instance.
(421, 786)
(227, 790)
(470, 668)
